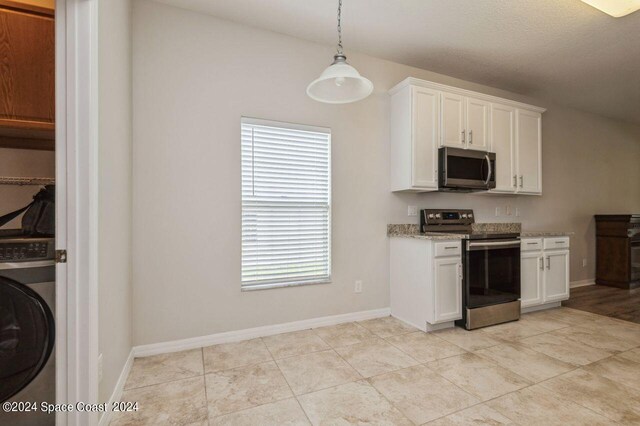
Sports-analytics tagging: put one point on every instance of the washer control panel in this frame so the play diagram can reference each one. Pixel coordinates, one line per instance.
(26, 250)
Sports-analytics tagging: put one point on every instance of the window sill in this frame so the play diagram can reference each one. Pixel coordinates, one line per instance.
(270, 286)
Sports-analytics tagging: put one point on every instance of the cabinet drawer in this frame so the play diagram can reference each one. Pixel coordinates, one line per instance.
(556, 243)
(448, 248)
(531, 244)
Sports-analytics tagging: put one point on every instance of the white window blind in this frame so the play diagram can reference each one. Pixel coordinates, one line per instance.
(286, 204)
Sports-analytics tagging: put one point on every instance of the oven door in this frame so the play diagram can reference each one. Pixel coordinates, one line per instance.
(462, 169)
(492, 272)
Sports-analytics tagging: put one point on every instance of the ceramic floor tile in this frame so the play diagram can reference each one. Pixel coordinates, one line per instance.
(478, 376)
(163, 368)
(232, 355)
(386, 326)
(344, 334)
(356, 403)
(424, 347)
(565, 349)
(477, 415)
(295, 343)
(421, 394)
(606, 397)
(282, 413)
(180, 402)
(566, 315)
(632, 355)
(544, 323)
(315, 371)
(618, 369)
(595, 338)
(537, 405)
(245, 387)
(531, 365)
(514, 330)
(627, 331)
(468, 340)
(374, 357)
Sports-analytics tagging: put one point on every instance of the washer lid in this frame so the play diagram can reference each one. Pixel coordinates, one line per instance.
(27, 335)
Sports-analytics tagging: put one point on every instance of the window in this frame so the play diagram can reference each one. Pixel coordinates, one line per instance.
(286, 204)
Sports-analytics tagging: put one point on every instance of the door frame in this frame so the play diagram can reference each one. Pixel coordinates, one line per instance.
(76, 54)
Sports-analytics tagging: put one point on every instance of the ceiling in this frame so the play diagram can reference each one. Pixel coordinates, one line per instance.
(559, 50)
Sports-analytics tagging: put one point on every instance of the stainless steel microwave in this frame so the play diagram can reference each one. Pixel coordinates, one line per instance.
(465, 170)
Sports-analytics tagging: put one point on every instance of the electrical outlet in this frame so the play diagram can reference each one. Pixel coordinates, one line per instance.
(507, 210)
(100, 368)
(358, 287)
(584, 263)
(517, 212)
(412, 211)
(497, 211)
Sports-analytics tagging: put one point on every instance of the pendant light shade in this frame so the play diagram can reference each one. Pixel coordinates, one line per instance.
(340, 83)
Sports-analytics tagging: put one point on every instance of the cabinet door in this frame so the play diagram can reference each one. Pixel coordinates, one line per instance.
(453, 123)
(477, 113)
(529, 142)
(556, 276)
(531, 270)
(27, 89)
(425, 114)
(503, 120)
(447, 289)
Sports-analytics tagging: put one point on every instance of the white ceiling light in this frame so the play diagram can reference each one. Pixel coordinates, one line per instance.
(340, 83)
(615, 8)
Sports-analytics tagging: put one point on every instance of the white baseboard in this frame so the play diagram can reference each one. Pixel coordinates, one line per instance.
(582, 283)
(117, 391)
(252, 333)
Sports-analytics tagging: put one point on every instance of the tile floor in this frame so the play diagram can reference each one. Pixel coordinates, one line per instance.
(561, 366)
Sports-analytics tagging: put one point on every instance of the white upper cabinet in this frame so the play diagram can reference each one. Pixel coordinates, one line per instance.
(454, 133)
(415, 132)
(426, 116)
(529, 137)
(477, 118)
(503, 130)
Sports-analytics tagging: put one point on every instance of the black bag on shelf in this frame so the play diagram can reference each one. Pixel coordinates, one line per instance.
(39, 216)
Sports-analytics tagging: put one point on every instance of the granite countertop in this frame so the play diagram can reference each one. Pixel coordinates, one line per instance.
(532, 234)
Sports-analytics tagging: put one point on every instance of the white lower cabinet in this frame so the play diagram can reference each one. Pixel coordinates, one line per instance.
(447, 290)
(426, 282)
(544, 273)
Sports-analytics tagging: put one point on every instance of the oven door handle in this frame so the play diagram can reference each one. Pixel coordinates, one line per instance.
(486, 182)
(490, 245)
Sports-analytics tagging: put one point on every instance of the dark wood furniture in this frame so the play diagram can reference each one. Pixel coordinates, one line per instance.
(27, 76)
(618, 250)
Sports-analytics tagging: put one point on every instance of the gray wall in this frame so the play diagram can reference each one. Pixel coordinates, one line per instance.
(115, 214)
(195, 76)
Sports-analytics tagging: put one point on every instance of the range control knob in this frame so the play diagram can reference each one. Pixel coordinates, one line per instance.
(470, 215)
(431, 216)
(464, 215)
(437, 215)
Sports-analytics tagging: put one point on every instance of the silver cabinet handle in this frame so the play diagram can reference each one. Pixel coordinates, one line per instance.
(515, 181)
(470, 136)
(521, 181)
(548, 262)
(464, 138)
(451, 248)
(460, 270)
(541, 263)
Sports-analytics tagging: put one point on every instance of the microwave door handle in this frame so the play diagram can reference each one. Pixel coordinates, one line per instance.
(486, 157)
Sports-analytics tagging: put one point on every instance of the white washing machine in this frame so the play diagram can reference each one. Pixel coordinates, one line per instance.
(27, 327)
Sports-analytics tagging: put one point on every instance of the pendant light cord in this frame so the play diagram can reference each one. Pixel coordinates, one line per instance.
(339, 27)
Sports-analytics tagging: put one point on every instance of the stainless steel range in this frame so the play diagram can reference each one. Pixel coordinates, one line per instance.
(491, 268)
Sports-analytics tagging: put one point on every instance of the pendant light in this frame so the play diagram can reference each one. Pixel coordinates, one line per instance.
(340, 83)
